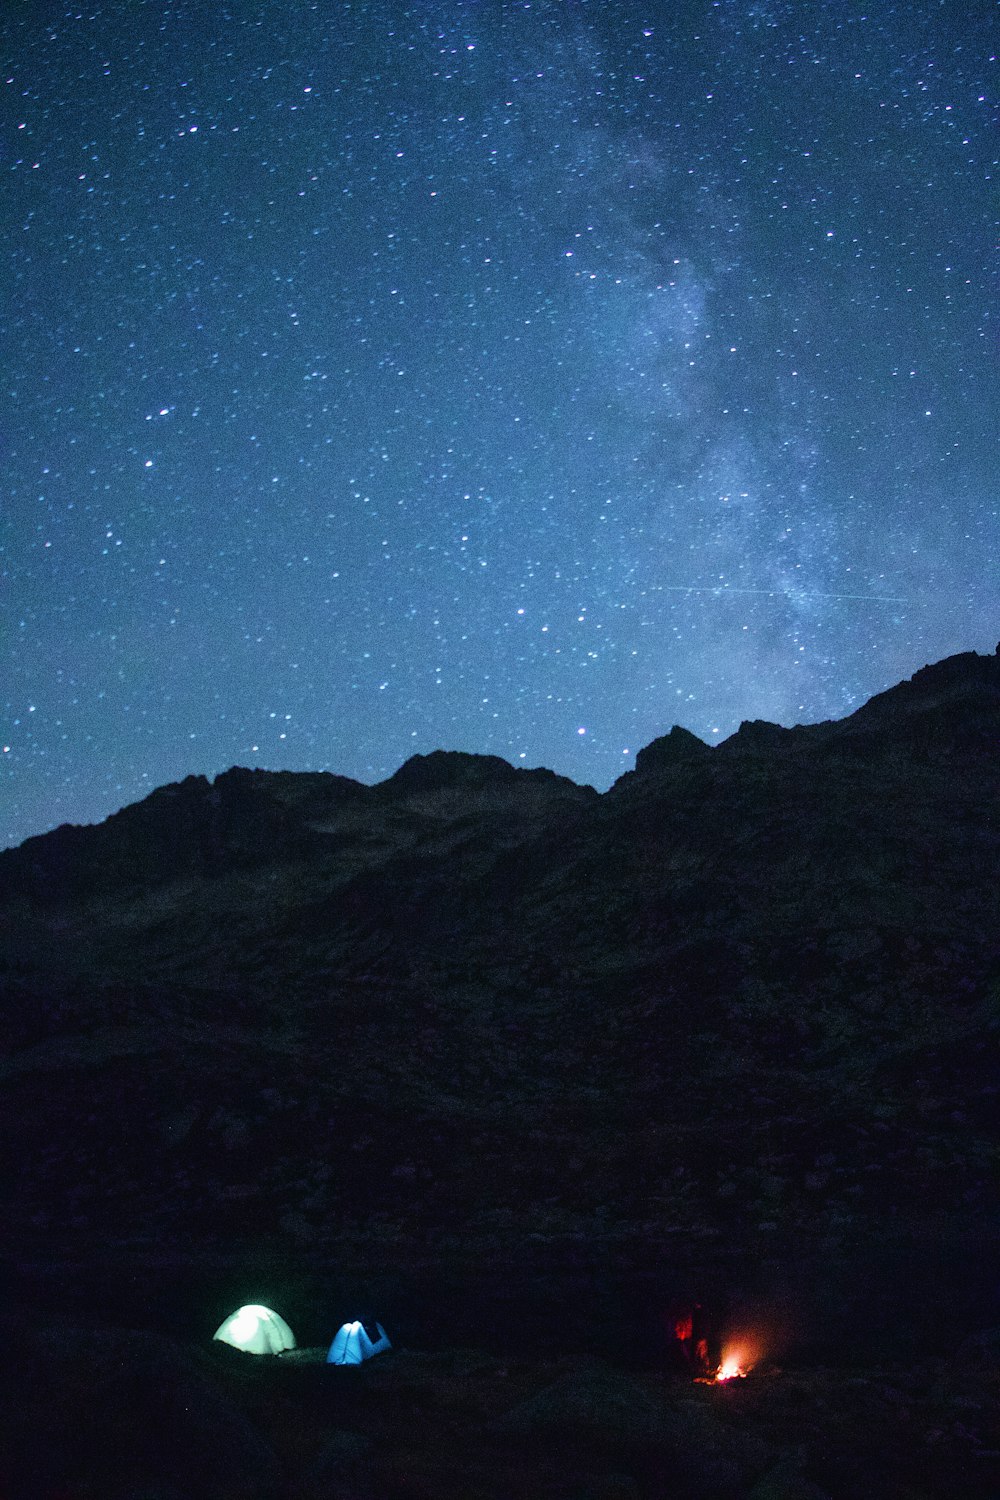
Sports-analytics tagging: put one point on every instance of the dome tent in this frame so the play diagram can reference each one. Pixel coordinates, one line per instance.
(256, 1330)
(352, 1345)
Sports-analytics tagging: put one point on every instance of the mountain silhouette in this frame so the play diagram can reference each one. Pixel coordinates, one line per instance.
(743, 1008)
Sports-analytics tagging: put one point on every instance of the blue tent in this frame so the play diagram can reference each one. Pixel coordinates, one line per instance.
(352, 1345)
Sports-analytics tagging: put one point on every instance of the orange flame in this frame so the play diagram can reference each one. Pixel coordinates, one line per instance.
(739, 1357)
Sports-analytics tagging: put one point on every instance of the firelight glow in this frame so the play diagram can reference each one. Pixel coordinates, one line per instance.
(731, 1367)
(741, 1352)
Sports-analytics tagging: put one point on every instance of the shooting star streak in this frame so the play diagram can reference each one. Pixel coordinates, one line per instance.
(680, 588)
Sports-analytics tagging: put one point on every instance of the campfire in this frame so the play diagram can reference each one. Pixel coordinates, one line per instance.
(740, 1353)
(734, 1365)
(712, 1358)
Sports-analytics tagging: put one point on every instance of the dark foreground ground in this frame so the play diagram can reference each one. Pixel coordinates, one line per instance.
(92, 1409)
(116, 1414)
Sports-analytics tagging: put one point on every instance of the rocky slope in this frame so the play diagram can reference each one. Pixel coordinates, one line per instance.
(126, 1415)
(732, 1023)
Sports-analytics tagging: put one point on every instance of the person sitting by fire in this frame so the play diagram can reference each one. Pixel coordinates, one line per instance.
(698, 1334)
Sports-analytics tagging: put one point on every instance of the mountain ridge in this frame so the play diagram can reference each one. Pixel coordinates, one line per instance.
(919, 704)
(742, 1008)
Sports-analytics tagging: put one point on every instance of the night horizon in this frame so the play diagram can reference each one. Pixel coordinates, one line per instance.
(515, 379)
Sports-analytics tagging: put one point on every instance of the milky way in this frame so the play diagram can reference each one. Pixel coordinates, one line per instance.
(514, 378)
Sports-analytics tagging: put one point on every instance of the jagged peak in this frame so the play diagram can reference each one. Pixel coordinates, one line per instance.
(670, 750)
(290, 786)
(967, 674)
(446, 768)
(457, 770)
(756, 735)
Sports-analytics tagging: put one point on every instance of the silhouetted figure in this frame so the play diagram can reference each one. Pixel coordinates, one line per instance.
(697, 1335)
(679, 1343)
(701, 1341)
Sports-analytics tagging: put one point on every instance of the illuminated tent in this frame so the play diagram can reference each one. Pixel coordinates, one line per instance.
(256, 1330)
(352, 1345)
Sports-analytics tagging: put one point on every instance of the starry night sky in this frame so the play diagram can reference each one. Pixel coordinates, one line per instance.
(506, 377)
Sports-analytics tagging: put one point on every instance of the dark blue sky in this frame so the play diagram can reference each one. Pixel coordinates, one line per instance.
(516, 378)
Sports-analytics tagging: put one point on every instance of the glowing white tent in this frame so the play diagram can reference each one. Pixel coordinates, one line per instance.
(352, 1345)
(256, 1330)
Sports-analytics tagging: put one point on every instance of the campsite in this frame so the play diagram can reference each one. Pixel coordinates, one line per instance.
(104, 1410)
(572, 1098)
(500, 750)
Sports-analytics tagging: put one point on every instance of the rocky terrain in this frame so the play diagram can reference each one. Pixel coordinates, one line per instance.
(113, 1414)
(524, 1069)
